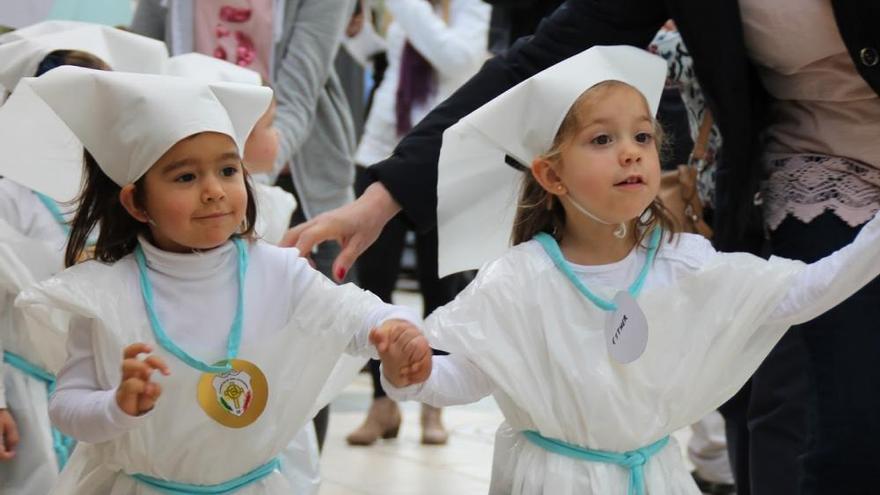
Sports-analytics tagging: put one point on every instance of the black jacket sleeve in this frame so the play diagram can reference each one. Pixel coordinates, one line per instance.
(410, 174)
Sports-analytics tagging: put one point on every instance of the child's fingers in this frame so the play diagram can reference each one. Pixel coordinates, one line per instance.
(157, 363)
(127, 395)
(379, 338)
(132, 351)
(147, 400)
(8, 436)
(135, 368)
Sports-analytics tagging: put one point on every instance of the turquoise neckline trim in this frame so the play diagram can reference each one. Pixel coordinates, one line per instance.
(61, 444)
(53, 208)
(634, 460)
(225, 488)
(551, 247)
(234, 342)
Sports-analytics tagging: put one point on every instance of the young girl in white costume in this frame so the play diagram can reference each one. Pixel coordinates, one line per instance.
(33, 233)
(244, 334)
(600, 332)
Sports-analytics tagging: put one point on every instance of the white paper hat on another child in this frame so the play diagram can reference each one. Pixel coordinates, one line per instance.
(22, 50)
(274, 205)
(210, 69)
(39, 151)
(483, 155)
(128, 121)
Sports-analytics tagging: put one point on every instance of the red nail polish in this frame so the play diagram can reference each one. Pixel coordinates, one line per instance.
(340, 273)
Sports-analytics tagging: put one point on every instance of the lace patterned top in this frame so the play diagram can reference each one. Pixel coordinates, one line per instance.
(821, 144)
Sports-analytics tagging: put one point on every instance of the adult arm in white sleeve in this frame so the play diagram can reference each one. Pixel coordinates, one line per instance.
(79, 407)
(452, 49)
(831, 280)
(454, 380)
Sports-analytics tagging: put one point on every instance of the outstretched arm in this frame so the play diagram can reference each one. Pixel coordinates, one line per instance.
(831, 280)
(454, 380)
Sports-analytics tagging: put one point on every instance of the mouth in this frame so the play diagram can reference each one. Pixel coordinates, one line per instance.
(632, 181)
(212, 216)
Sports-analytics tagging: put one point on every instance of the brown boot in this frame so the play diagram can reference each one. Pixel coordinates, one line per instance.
(383, 420)
(433, 432)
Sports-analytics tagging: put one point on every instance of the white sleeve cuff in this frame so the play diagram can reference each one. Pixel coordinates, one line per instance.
(410, 392)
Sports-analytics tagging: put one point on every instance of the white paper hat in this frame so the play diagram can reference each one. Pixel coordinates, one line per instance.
(22, 50)
(478, 186)
(210, 69)
(128, 121)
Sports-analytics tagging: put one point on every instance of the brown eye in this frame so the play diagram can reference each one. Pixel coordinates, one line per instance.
(601, 139)
(644, 137)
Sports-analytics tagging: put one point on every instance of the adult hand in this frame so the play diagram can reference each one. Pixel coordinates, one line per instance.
(354, 226)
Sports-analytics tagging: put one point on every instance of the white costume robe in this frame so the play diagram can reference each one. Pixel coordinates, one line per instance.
(31, 248)
(522, 332)
(297, 324)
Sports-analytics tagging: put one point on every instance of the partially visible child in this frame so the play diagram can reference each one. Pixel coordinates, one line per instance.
(243, 334)
(33, 233)
(602, 331)
(275, 206)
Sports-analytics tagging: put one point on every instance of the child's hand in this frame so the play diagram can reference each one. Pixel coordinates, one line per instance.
(8, 435)
(404, 351)
(136, 394)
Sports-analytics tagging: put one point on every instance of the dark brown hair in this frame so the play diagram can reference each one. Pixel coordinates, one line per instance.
(540, 211)
(99, 206)
(57, 58)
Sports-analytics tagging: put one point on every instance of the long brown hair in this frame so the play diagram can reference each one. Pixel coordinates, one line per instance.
(540, 211)
(99, 206)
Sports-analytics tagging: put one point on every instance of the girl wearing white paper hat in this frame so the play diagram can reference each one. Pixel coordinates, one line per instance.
(33, 233)
(244, 334)
(602, 331)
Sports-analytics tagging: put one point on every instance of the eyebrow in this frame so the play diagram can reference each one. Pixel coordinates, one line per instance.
(178, 164)
(643, 118)
(229, 155)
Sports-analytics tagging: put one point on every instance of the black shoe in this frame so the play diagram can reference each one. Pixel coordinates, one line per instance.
(713, 488)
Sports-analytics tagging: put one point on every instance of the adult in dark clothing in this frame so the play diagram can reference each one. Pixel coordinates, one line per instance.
(734, 65)
(513, 19)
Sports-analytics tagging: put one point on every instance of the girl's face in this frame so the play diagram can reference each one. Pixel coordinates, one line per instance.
(261, 147)
(610, 165)
(195, 195)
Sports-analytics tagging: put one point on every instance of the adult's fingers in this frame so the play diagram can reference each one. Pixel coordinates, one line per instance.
(291, 237)
(10, 436)
(351, 251)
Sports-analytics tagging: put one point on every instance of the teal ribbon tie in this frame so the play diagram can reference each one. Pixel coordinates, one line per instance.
(225, 488)
(633, 460)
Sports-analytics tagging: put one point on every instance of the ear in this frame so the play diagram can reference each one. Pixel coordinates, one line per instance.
(545, 174)
(126, 198)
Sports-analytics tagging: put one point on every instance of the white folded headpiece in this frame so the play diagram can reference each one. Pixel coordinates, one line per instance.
(128, 121)
(22, 50)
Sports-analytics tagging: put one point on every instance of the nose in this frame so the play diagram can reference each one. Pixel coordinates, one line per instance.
(212, 190)
(630, 154)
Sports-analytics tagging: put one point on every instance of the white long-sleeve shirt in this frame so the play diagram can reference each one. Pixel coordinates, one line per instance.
(455, 49)
(819, 287)
(195, 296)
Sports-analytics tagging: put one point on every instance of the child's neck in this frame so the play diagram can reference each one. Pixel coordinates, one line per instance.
(591, 243)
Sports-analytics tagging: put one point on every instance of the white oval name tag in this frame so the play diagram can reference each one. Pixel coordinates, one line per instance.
(626, 330)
